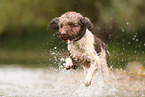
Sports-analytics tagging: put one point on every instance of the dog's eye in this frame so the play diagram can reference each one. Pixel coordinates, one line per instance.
(72, 25)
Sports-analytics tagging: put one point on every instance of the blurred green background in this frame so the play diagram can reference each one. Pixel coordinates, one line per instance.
(25, 38)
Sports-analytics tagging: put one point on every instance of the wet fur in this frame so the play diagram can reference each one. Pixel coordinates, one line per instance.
(86, 49)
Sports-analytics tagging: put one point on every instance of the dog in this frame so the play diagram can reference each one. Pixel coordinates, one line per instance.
(85, 48)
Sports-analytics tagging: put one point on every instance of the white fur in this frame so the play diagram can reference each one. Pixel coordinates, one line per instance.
(68, 62)
(84, 50)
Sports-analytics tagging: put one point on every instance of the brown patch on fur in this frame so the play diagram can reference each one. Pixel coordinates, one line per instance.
(86, 63)
(71, 25)
(53, 25)
(100, 44)
(86, 21)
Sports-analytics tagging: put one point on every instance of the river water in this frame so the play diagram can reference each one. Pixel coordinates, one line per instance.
(18, 81)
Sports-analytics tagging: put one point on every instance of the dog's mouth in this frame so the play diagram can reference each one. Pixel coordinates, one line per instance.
(64, 37)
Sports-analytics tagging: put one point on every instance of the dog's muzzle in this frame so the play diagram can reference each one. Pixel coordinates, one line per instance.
(63, 36)
(67, 36)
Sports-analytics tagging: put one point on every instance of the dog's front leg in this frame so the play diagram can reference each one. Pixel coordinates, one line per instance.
(71, 63)
(68, 63)
(89, 75)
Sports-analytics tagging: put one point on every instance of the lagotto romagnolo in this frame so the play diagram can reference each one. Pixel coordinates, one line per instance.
(85, 48)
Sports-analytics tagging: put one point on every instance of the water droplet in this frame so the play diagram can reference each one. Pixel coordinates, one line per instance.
(134, 51)
(127, 23)
(136, 39)
(55, 48)
(122, 60)
(53, 34)
(122, 30)
(53, 53)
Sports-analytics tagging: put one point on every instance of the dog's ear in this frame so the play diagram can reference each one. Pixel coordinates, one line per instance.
(86, 21)
(53, 25)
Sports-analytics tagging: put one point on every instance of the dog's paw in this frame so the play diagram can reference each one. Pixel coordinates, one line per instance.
(71, 67)
(74, 66)
(87, 83)
(88, 80)
(68, 63)
(67, 68)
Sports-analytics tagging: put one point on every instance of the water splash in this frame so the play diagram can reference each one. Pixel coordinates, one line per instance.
(19, 81)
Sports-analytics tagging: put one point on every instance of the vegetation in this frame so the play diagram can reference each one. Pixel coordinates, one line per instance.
(24, 32)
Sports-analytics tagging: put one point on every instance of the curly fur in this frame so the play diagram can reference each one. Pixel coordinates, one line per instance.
(84, 47)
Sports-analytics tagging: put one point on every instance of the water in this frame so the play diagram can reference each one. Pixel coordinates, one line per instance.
(52, 82)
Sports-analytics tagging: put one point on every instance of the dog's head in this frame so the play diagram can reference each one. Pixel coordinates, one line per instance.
(71, 25)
